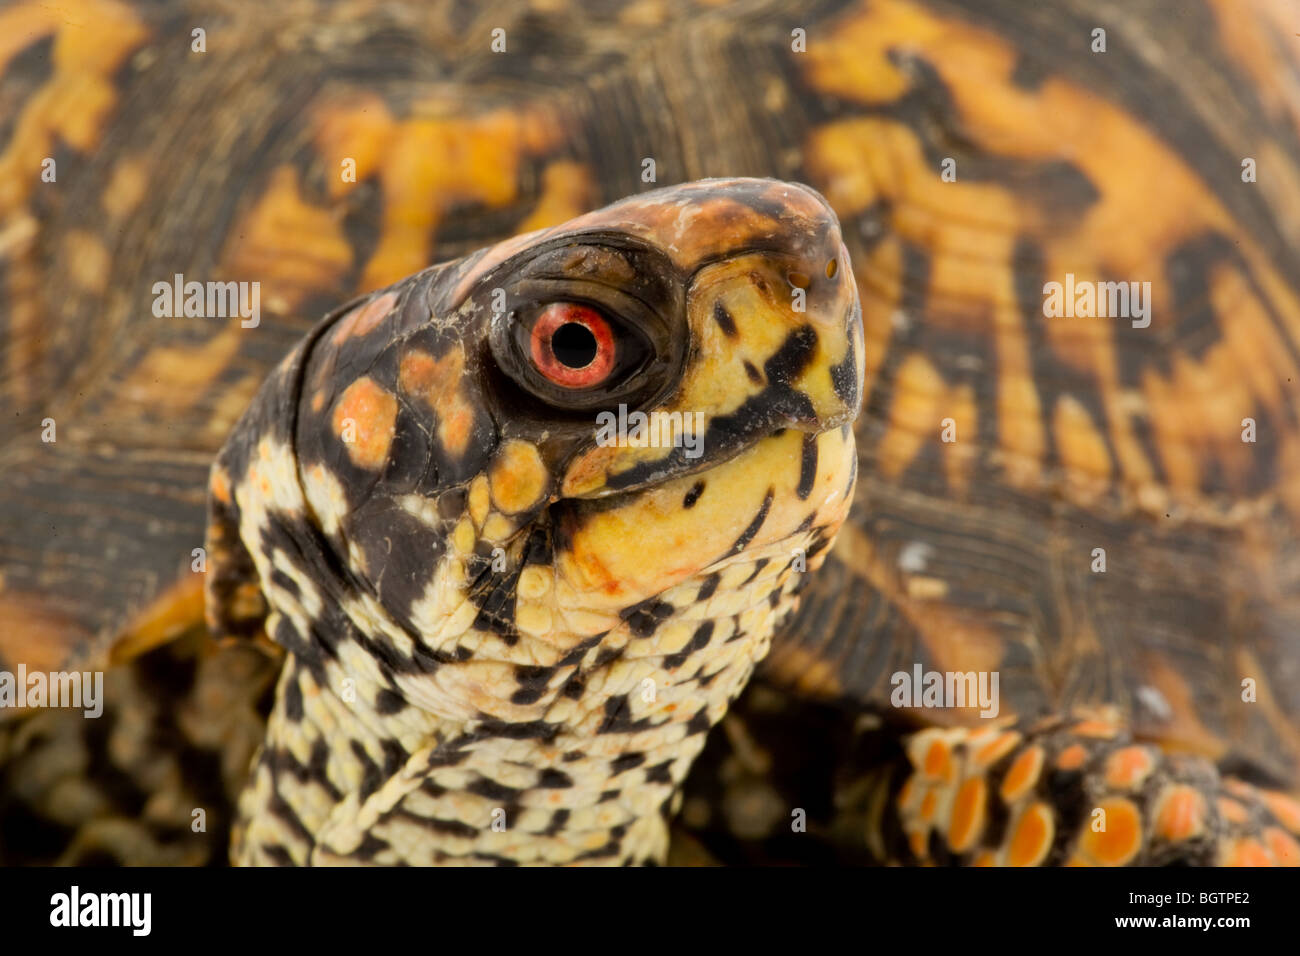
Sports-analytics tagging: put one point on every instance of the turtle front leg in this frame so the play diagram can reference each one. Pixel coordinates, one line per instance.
(1074, 792)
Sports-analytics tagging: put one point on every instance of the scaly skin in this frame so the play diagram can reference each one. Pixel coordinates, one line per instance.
(506, 640)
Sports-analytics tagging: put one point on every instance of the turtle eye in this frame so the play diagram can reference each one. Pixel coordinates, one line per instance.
(572, 345)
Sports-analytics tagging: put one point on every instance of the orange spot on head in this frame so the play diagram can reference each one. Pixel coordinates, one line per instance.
(366, 414)
(438, 382)
(1127, 767)
(1121, 839)
(967, 820)
(1283, 847)
(1032, 837)
(997, 748)
(1245, 853)
(1072, 757)
(1022, 774)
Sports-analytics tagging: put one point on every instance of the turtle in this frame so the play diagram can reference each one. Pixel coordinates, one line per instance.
(427, 420)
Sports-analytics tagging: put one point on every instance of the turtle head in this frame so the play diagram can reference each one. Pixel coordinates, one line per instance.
(507, 491)
(642, 393)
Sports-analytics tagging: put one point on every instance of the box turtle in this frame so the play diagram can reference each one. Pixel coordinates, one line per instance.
(980, 451)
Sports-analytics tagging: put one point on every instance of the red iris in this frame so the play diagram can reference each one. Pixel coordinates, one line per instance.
(572, 345)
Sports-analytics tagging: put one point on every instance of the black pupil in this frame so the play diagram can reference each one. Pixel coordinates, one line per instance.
(574, 345)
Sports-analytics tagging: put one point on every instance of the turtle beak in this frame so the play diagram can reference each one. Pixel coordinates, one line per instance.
(782, 330)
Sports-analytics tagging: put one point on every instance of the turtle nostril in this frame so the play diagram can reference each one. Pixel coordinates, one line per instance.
(798, 280)
(831, 268)
(574, 345)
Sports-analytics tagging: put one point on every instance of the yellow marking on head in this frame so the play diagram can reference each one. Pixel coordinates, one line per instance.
(534, 582)
(517, 476)
(497, 527)
(480, 500)
(675, 543)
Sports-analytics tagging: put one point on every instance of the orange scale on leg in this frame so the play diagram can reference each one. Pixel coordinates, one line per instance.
(1072, 757)
(1102, 729)
(996, 749)
(1127, 767)
(917, 841)
(1022, 774)
(1032, 837)
(1181, 813)
(1244, 852)
(1240, 788)
(967, 819)
(1232, 811)
(1285, 808)
(938, 760)
(1121, 840)
(907, 794)
(929, 803)
(1283, 847)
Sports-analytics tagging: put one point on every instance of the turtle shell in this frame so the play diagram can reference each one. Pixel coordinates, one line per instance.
(975, 152)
